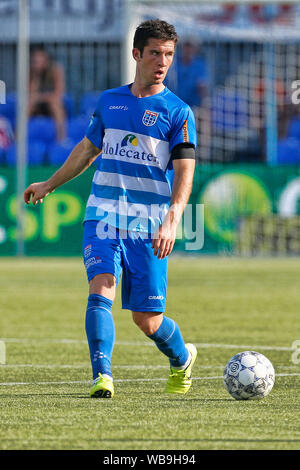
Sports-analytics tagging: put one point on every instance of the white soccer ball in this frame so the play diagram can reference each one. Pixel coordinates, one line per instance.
(249, 375)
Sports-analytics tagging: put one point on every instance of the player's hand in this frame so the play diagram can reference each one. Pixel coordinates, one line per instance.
(164, 239)
(36, 191)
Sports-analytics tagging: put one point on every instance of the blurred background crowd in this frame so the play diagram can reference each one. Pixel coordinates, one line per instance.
(223, 78)
(237, 65)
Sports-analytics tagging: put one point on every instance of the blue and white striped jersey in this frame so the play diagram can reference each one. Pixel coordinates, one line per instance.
(132, 186)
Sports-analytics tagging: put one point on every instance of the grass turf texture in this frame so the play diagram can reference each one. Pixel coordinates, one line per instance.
(223, 305)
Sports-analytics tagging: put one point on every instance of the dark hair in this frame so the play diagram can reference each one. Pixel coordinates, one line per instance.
(43, 49)
(157, 29)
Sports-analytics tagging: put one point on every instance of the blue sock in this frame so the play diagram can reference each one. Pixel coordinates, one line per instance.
(100, 331)
(170, 342)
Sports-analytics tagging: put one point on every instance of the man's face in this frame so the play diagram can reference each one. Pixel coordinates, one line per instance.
(155, 61)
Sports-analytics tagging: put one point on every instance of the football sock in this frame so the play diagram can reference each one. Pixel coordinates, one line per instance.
(170, 342)
(100, 331)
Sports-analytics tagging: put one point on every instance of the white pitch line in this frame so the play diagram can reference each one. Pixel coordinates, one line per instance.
(87, 366)
(216, 377)
(243, 347)
(81, 366)
(295, 374)
(146, 343)
(44, 340)
(119, 366)
(6, 384)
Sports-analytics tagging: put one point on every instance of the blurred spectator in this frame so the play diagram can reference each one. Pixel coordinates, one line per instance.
(260, 89)
(6, 133)
(259, 100)
(47, 89)
(188, 76)
(271, 13)
(286, 13)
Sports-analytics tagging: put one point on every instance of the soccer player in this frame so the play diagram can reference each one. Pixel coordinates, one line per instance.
(146, 136)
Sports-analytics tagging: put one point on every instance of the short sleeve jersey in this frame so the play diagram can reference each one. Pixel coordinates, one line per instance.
(132, 185)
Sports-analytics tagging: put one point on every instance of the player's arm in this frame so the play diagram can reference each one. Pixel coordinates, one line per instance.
(81, 157)
(184, 167)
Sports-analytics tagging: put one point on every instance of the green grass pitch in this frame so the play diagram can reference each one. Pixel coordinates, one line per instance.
(223, 305)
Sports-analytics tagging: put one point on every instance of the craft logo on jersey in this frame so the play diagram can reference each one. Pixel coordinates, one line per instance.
(129, 138)
(150, 118)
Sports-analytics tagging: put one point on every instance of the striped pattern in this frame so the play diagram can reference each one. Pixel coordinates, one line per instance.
(134, 183)
(131, 181)
(126, 215)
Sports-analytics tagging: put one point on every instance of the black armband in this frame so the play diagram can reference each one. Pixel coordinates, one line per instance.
(184, 150)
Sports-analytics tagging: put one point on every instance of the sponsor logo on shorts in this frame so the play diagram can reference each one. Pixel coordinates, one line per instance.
(92, 261)
(87, 251)
(156, 297)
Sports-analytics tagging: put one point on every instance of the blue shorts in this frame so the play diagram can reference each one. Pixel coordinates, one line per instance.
(144, 276)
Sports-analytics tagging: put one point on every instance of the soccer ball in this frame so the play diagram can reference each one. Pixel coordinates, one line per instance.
(249, 375)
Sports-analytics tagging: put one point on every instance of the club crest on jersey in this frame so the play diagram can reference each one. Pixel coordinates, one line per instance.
(150, 118)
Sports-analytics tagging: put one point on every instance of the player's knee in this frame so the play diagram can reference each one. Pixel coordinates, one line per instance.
(148, 323)
(103, 284)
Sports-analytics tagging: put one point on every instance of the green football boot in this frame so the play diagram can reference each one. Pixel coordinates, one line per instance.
(103, 387)
(180, 380)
